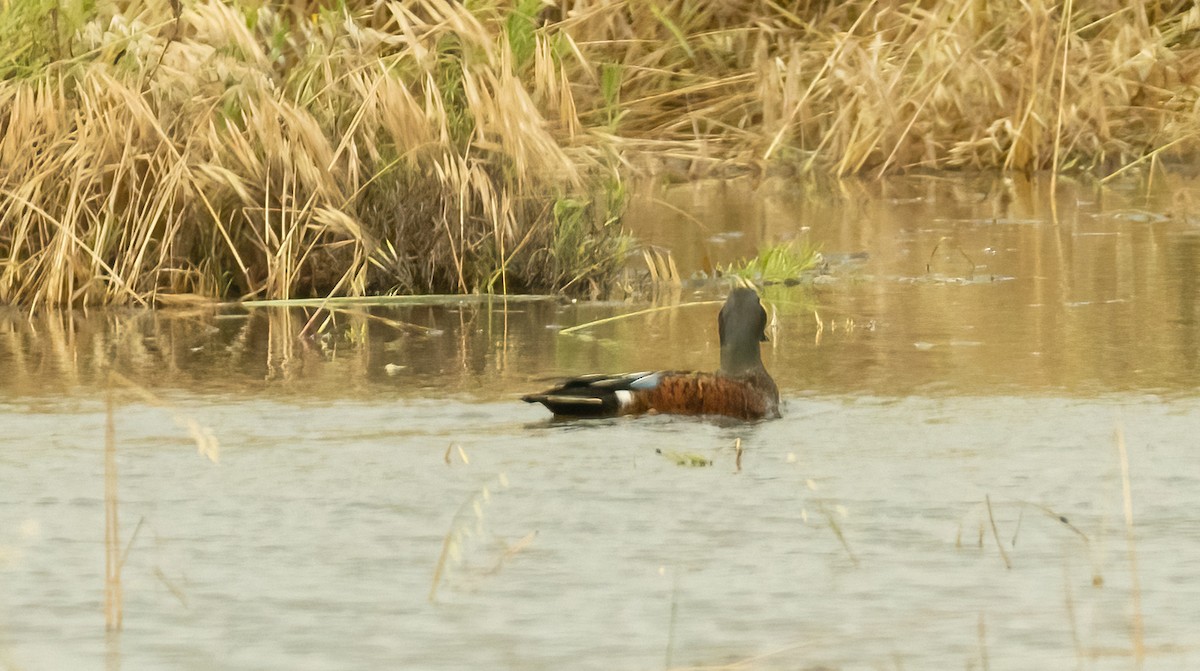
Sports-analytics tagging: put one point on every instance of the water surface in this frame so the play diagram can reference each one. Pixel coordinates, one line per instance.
(945, 489)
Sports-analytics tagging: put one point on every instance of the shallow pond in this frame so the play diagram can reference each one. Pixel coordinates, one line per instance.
(968, 411)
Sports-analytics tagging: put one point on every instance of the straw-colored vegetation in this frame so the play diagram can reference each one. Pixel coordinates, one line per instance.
(276, 150)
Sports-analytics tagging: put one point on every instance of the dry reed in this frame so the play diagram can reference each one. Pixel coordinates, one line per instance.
(272, 150)
(114, 557)
(113, 594)
(1137, 633)
(996, 533)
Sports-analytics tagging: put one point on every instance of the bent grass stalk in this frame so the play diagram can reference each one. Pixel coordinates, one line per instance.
(635, 313)
(466, 524)
(831, 519)
(996, 534)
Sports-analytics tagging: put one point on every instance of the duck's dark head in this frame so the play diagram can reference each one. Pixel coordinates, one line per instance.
(742, 326)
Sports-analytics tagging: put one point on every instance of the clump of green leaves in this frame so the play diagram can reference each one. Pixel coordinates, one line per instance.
(687, 459)
(777, 263)
(587, 244)
(30, 34)
(520, 26)
(610, 91)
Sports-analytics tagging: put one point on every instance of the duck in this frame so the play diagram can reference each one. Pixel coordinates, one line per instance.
(740, 389)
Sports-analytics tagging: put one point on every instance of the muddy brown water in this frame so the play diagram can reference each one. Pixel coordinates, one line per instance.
(945, 489)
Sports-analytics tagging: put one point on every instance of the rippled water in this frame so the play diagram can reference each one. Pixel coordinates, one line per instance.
(945, 489)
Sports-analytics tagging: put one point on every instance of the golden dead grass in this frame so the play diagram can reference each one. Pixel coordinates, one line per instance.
(872, 86)
(283, 160)
(272, 151)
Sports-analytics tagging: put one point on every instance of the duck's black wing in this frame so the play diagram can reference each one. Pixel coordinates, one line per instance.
(596, 395)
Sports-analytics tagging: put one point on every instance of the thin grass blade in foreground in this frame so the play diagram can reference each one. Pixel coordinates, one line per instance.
(114, 557)
(113, 607)
(1137, 632)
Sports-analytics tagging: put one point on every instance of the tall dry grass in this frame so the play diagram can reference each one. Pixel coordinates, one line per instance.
(275, 150)
(871, 86)
(267, 153)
